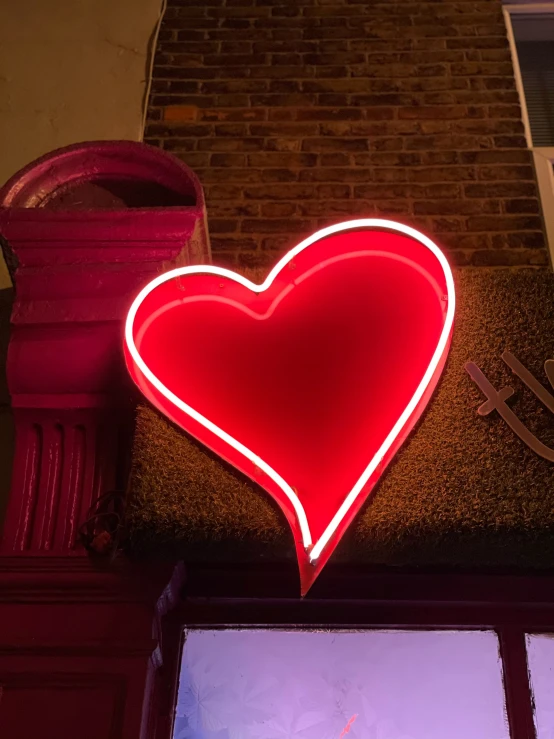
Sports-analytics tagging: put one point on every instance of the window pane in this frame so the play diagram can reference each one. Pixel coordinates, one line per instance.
(333, 685)
(540, 655)
(534, 37)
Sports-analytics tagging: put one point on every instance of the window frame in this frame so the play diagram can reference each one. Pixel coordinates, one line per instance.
(249, 596)
(543, 156)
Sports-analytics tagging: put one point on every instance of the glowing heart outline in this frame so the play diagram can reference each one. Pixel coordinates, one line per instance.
(314, 550)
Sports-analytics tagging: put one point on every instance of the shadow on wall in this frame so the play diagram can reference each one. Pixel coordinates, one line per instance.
(6, 422)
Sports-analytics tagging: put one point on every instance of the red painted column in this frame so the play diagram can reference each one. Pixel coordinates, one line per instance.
(85, 227)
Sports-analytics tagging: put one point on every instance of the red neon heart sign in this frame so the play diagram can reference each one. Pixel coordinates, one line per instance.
(310, 382)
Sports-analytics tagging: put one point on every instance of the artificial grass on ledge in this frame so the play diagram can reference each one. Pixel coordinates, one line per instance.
(463, 490)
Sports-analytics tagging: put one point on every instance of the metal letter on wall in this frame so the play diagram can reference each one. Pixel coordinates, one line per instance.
(496, 399)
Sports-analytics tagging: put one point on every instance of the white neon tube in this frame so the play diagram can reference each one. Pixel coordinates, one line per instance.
(366, 223)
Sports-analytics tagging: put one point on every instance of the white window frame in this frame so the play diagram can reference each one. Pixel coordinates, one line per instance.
(543, 156)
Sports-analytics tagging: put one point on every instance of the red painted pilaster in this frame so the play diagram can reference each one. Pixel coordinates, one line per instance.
(83, 228)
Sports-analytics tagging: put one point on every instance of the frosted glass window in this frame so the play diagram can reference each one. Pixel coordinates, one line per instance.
(261, 684)
(540, 657)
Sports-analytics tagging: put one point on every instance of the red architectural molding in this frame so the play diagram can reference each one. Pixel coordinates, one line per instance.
(77, 267)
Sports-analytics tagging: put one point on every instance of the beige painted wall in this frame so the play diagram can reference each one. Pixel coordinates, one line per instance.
(70, 70)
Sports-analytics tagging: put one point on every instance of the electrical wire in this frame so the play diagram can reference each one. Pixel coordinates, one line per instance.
(153, 47)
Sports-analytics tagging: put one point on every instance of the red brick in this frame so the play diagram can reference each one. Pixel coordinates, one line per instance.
(222, 170)
(196, 101)
(231, 47)
(339, 128)
(195, 159)
(329, 114)
(232, 244)
(178, 72)
(488, 69)
(487, 126)
(438, 112)
(503, 258)
(273, 225)
(154, 114)
(510, 142)
(442, 174)
(180, 144)
(347, 85)
(522, 205)
(237, 171)
(514, 172)
(231, 129)
(446, 225)
(223, 143)
(224, 209)
(190, 130)
(373, 191)
(331, 144)
(282, 159)
(222, 226)
(505, 111)
(231, 86)
(523, 240)
(179, 87)
(279, 192)
(239, 12)
(286, 11)
(518, 156)
(442, 190)
(333, 191)
(335, 174)
(283, 101)
(234, 60)
(281, 114)
(283, 47)
(285, 144)
(500, 190)
(336, 59)
(466, 241)
(335, 160)
(275, 243)
(281, 86)
(332, 72)
(493, 83)
(439, 157)
(279, 175)
(287, 60)
(180, 113)
(223, 192)
(231, 100)
(295, 130)
(504, 223)
(247, 114)
(448, 207)
(278, 210)
(279, 72)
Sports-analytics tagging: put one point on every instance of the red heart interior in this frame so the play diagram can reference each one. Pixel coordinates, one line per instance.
(311, 374)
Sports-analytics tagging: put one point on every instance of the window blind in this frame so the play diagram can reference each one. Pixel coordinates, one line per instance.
(536, 62)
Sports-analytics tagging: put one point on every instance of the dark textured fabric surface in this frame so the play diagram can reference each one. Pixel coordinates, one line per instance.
(464, 490)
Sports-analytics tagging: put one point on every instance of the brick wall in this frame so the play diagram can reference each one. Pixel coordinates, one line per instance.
(299, 113)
